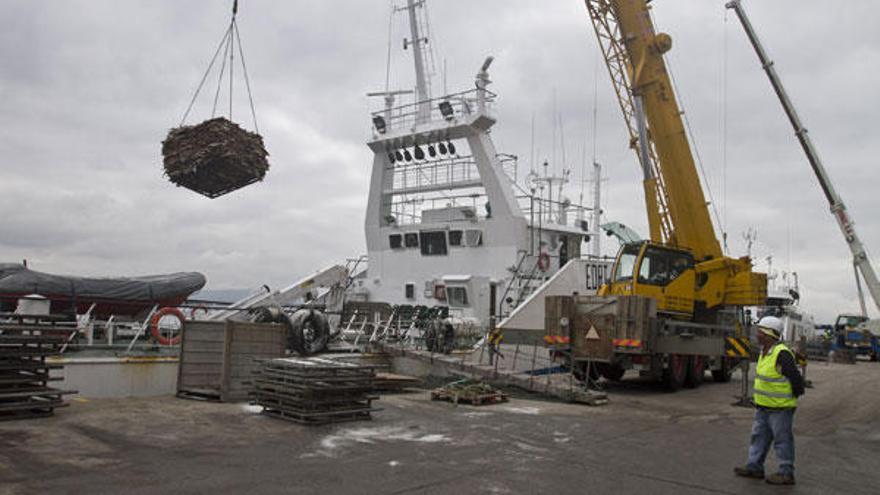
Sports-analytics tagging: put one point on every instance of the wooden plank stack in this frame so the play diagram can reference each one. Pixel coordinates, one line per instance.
(214, 158)
(24, 370)
(314, 390)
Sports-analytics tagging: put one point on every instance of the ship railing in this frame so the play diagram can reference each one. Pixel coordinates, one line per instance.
(543, 211)
(448, 171)
(447, 108)
(407, 210)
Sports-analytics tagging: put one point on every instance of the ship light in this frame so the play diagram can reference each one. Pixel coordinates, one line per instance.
(398, 156)
(407, 155)
(446, 110)
(391, 157)
(442, 148)
(419, 154)
(379, 124)
(450, 147)
(432, 152)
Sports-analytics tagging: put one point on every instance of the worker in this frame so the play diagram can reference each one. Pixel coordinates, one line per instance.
(493, 339)
(778, 384)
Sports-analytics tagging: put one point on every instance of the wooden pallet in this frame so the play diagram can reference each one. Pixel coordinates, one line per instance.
(474, 399)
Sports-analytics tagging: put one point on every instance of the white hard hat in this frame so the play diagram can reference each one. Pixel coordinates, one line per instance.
(771, 326)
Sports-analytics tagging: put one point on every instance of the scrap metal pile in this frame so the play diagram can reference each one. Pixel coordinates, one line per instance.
(24, 371)
(314, 390)
(215, 157)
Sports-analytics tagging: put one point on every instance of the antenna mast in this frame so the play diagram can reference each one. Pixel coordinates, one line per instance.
(418, 42)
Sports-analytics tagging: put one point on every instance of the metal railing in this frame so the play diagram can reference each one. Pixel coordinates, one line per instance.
(465, 103)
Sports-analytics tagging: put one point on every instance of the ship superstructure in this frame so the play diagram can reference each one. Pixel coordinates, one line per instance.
(447, 222)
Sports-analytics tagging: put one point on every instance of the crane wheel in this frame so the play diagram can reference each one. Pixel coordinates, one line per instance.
(675, 373)
(695, 370)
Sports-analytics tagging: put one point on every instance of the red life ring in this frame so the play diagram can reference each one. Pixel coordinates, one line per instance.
(200, 307)
(543, 261)
(154, 325)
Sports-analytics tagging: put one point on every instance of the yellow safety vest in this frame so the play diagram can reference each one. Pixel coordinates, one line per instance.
(772, 389)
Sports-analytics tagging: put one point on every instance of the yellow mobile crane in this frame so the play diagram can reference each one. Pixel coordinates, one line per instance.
(673, 303)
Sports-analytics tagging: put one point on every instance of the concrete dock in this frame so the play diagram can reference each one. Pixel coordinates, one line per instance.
(643, 441)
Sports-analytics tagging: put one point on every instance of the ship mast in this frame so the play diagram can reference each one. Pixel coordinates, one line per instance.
(418, 41)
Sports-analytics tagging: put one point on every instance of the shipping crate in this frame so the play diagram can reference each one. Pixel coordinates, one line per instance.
(218, 358)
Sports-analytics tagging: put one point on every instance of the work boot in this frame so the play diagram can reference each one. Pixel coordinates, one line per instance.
(780, 479)
(745, 472)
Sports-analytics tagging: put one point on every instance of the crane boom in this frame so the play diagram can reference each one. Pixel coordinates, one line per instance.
(634, 55)
(838, 209)
(678, 217)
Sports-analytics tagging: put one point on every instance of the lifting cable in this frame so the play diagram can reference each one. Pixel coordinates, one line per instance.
(227, 44)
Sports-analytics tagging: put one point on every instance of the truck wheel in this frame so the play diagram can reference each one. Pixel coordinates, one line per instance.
(613, 372)
(675, 372)
(722, 375)
(696, 368)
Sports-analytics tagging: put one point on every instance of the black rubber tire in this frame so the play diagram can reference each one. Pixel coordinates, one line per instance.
(612, 372)
(675, 373)
(696, 368)
(309, 332)
(723, 374)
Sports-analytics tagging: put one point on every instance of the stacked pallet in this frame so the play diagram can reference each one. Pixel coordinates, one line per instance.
(314, 390)
(214, 158)
(25, 372)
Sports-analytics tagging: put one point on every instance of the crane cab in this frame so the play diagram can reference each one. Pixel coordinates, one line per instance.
(665, 274)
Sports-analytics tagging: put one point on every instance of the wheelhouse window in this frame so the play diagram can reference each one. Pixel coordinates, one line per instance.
(411, 240)
(473, 238)
(433, 243)
(456, 297)
(626, 263)
(455, 237)
(410, 291)
(396, 241)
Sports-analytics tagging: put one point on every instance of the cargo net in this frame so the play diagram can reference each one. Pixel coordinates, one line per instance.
(214, 158)
(217, 156)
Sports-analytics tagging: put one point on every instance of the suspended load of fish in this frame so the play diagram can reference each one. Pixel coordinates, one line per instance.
(214, 157)
(217, 156)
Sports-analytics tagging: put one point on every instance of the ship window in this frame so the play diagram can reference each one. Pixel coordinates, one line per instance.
(410, 291)
(396, 241)
(456, 297)
(473, 238)
(433, 243)
(411, 240)
(455, 237)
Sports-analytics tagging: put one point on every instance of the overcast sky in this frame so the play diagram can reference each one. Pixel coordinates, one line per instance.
(89, 89)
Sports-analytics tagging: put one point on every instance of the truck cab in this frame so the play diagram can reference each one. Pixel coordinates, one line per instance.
(663, 273)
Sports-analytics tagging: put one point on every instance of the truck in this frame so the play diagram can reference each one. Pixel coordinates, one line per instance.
(674, 307)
